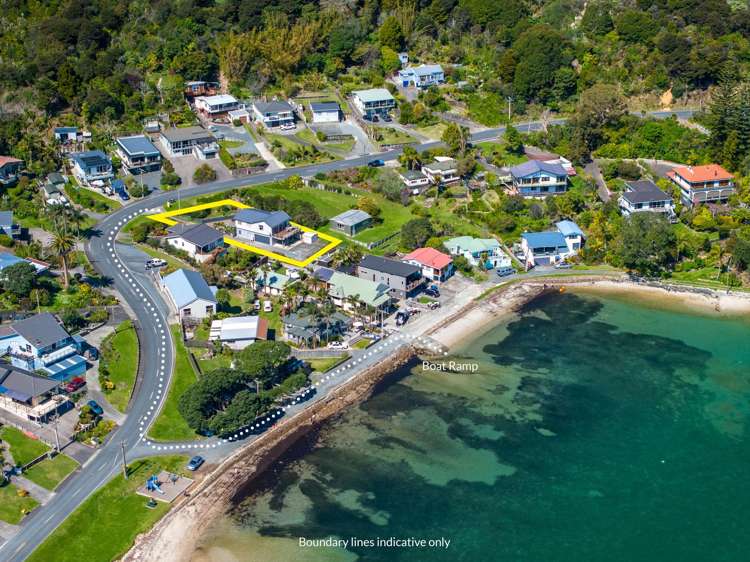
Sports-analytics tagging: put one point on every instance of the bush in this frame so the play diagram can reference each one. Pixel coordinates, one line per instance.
(204, 174)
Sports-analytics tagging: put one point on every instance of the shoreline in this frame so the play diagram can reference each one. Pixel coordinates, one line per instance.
(176, 536)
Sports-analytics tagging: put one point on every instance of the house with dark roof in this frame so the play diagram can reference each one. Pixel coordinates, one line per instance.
(537, 178)
(7, 226)
(273, 113)
(351, 222)
(91, 166)
(189, 294)
(138, 154)
(9, 169)
(200, 241)
(645, 196)
(40, 343)
(271, 228)
(325, 112)
(442, 171)
(403, 279)
(702, 184)
(29, 395)
(308, 330)
(186, 141)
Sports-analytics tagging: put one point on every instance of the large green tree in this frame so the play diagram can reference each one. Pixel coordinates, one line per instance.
(646, 243)
(542, 50)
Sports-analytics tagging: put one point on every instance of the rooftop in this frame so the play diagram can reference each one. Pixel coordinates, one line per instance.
(137, 145)
(6, 218)
(272, 218)
(264, 107)
(412, 175)
(391, 267)
(8, 160)
(352, 217)
(8, 259)
(198, 234)
(429, 257)
(441, 165)
(544, 240)
(375, 94)
(91, 159)
(20, 384)
(274, 280)
(187, 286)
(535, 166)
(643, 191)
(425, 69)
(709, 172)
(66, 130)
(219, 99)
(324, 106)
(345, 286)
(471, 245)
(241, 328)
(40, 330)
(176, 134)
(569, 228)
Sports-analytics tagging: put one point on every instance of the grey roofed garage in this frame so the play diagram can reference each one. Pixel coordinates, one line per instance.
(41, 330)
(391, 267)
(325, 106)
(352, 217)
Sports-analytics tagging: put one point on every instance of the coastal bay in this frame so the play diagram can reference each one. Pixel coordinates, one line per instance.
(584, 433)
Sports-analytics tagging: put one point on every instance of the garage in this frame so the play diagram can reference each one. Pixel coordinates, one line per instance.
(262, 239)
(325, 112)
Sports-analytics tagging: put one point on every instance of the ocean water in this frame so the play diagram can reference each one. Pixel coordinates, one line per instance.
(594, 428)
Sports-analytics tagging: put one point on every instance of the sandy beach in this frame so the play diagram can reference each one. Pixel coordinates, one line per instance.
(175, 537)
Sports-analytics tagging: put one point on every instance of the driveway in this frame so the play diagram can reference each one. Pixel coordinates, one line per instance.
(185, 167)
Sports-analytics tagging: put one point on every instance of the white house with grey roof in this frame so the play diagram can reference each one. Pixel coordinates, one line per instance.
(184, 141)
(216, 106)
(138, 154)
(403, 279)
(645, 196)
(376, 101)
(271, 228)
(351, 222)
(200, 241)
(273, 113)
(325, 112)
(91, 166)
(538, 179)
(189, 294)
(422, 76)
(414, 179)
(29, 395)
(442, 171)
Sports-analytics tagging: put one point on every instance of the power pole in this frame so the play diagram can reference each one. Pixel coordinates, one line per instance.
(510, 100)
(57, 436)
(124, 463)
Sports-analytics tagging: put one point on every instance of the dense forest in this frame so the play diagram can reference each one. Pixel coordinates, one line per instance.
(110, 64)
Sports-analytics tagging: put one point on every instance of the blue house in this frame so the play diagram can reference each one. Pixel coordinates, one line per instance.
(66, 134)
(422, 76)
(553, 247)
(538, 179)
(40, 343)
(91, 166)
(190, 295)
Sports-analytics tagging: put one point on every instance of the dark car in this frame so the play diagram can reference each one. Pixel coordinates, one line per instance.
(376, 163)
(95, 408)
(432, 291)
(74, 384)
(401, 317)
(123, 195)
(195, 463)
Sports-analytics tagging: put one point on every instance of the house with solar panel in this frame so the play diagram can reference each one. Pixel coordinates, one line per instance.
(40, 343)
(29, 395)
(538, 179)
(190, 295)
(91, 167)
(271, 228)
(138, 154)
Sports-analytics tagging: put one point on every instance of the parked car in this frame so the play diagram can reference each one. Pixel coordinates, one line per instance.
(155, 263)
(74, 384)
(432, 291)
(96, 409)
(124, 195)
(256, 304)
(267, 306)
(434, 305)
(195, 463)
(505, 270)
(375, 118)
(563, 265)
(287, 126)
(213, 128)
(401, 317)
(376, 163)
(387, 118)
(337, 345)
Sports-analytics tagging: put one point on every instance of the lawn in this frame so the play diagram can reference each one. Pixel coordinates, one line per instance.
(172, 262)
(344, 146)
(327, 203)
(433, 131)
(307, 135)
(217, 362)
(48, 474)
(105, 526)
(24, 449)
(292, 144)
(170, 425)
(230, 143)
(90, 199)
(120, 358)
(324, 365)
(13, 507)
(394, 136)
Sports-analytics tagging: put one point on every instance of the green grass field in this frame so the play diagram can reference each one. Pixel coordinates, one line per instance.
(104, 527)
(217, 362)
(121, 361)
(170, 425)
(48, 474)
(323, 365)
(13, 507)
(23, 449)
(433, 131)
(394, 136)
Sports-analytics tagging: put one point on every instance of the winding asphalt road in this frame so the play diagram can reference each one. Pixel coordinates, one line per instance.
(157, 354)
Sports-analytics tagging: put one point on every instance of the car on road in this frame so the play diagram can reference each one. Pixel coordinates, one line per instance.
(267, 306)
(376, 163)
(155, 263)
(195, 463)
(337, 345)
(96, 409)
(563, 265)
(432, 291)
(74, 384)
(375, 118)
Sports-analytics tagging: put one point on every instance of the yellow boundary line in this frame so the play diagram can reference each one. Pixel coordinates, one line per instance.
(166, 218)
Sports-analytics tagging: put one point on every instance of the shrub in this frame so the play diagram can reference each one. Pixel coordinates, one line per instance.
(204, 174)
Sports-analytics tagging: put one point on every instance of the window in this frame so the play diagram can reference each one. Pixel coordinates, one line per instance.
(186, 312)
(210, 309)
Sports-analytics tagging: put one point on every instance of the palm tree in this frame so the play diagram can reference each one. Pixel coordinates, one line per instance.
(62, 244)
(410, 158)
(76, 216)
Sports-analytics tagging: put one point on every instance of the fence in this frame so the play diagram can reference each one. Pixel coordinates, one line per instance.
(249, 171)
(378, 243)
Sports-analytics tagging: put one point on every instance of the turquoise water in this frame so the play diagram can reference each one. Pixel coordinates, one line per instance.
(594, 429)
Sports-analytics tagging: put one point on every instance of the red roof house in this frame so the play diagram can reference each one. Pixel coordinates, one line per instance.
(436, 266)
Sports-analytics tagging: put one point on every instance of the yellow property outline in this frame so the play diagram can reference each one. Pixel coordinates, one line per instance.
(166, 218)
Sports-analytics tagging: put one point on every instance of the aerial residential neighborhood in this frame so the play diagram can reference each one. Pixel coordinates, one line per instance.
(277, 274)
